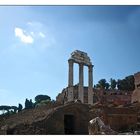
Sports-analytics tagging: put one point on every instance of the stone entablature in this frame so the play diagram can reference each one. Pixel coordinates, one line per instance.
(80, 57)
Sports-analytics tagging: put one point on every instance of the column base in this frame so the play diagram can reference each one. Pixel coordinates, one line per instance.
(81, 94)
(70, 94)
(90, 95)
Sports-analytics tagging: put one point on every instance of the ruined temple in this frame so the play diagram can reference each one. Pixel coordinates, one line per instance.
(82, 59)
(76, 106)
(88, 94)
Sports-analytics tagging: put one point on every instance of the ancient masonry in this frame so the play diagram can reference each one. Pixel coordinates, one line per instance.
(136, 92)
(137, 80)
(87, 94)
(82, 59)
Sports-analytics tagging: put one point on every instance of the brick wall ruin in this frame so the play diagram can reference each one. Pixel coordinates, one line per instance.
(136, 92)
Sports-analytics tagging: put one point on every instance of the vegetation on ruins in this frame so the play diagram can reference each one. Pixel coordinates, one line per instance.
(113, 83)
(126, 84)
(102, 84)
(4, 108)
(20, 107)
(42, 100)
(28, 104)
(14, 108)
(8, 109)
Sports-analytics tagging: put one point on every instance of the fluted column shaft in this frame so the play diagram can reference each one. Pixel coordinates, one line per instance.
(90, 84)
(70, 82)
(81, 79)
(90, 76)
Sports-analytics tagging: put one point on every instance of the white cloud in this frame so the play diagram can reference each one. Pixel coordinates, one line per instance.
(20, 33)
(37, 33)
(36, 29)
(42, 35)
(32, 33)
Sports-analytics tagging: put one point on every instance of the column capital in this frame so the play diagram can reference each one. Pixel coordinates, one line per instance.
(70, 61)
(81, 64)
(90, 66)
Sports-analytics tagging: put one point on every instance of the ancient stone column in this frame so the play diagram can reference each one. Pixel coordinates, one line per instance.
(90, 75)
(81, 89)
(90, 84)
(70, 81)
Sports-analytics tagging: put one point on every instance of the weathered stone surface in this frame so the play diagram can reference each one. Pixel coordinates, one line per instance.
(52, 122)
(137, 80)
(43, 120)
(81, 79)
(115, 97)
(83, 60)
(80, 57)
(137, 133)
(136, 96)
(70, 78)
(136, 92)
(113, 115)
(126, 133)
(70, 94)
(97, 127)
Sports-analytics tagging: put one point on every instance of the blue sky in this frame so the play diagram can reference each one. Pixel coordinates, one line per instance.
(36, 42)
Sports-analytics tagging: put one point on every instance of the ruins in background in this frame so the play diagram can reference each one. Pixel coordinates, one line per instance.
(136, 92)
(88, 94)
(107, 111)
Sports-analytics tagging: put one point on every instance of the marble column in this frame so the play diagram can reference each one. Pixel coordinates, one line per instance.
(81, 89)
(70, 81)
(90, 75)
(90, 84)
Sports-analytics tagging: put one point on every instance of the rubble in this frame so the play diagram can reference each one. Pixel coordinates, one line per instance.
(97, 127)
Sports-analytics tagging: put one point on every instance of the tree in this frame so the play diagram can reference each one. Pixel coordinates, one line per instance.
(28, 104)
(102, 83)
(53, 101)
(120, 84)
(14, 108)
(31, 103)
(113, 83)
(40, 98)
(130, 82)
(20, 107)
(126, 84)
(97, 86)
(4, 108)
(43, 102)
(107, 85)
